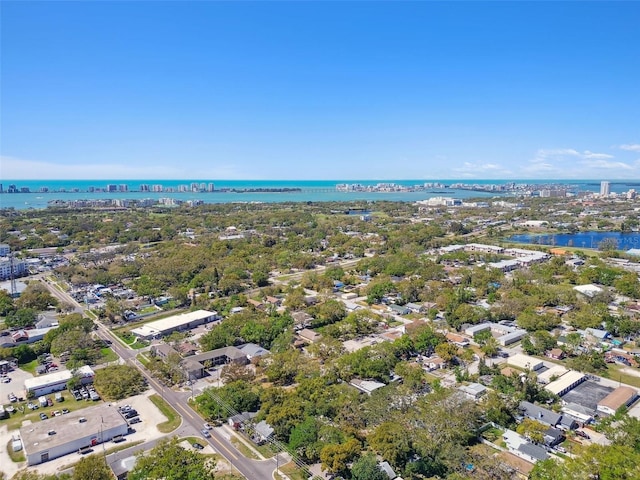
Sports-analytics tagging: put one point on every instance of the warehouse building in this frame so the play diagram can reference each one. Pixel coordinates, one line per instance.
(566, 383)
(620, 397)
(511, 337)
(83, 429)
(165, 326)
(56, 381)
(554, 373)
(525, 362)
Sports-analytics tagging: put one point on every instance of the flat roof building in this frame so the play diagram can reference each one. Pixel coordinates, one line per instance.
(620, 397)
(525, 362)
(565, 383)
(183, 321)
(475, 329)
(554, 373)
(56, 381)
(69, 433)
(512, 337)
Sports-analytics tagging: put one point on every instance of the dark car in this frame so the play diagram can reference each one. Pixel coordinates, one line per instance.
(131, 414)
(197, 446)
(135, 420)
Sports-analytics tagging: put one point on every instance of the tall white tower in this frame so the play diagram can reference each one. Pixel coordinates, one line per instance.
(605, 188)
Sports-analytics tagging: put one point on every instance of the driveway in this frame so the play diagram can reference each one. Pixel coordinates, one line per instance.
(16, 385)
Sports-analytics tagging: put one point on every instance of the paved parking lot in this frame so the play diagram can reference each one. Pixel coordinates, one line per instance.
(587, 394)
(16, 385)
(144, 431)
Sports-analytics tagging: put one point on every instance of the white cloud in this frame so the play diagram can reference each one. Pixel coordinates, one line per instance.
(482, 170)
(21, 169)
(588, 154)
(604, 164)
(569, 163)
(630, 147)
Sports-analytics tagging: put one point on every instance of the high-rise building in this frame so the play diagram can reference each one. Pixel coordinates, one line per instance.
(209, 189)
(605, 188)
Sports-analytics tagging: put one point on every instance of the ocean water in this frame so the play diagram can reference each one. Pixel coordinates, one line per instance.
(624, 241)
(310, 190)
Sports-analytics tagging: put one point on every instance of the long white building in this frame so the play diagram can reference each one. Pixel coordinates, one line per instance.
(165, 326)
(56, 381)
(58, 436)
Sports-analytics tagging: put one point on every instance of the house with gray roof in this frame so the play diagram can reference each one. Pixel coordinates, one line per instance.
(540, 414)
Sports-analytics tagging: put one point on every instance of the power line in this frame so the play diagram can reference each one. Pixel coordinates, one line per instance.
(248, 425)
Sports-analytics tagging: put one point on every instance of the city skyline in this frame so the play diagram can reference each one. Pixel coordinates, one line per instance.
(320, 90)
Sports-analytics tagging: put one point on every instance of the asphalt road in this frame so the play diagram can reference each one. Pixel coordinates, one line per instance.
(251, 469)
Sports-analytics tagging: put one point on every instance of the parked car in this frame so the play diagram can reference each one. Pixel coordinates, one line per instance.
(43, 416)
(197, 446)
(135, 420)
(131, 414)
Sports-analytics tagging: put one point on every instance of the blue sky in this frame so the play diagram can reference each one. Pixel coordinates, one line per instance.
(320, 90)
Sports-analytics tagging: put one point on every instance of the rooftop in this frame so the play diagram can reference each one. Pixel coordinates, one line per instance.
(35, 437)
(619, 397)
(174, 321)
(565, 381)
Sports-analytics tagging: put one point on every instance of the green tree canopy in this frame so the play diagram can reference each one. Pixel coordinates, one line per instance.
(119, 381)
(168, 460)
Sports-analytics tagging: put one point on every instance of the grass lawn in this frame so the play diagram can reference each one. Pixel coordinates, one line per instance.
(30, 367)
(292, 471)
(107, 355)
(143, 359)
(149, 309)
(18, 456)
(130, 339)
(266, 450)
(173, 419)
(246, 451)
(614, 372)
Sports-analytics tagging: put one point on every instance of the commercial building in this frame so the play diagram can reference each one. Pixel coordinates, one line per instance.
(70, 433)
(605, 188)
(525, 362)
(165, 326)
(566, 382)
(620, 397)
(512, 337)
(56, 381)
(475, 329)
(553, 373)
(15, 265)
